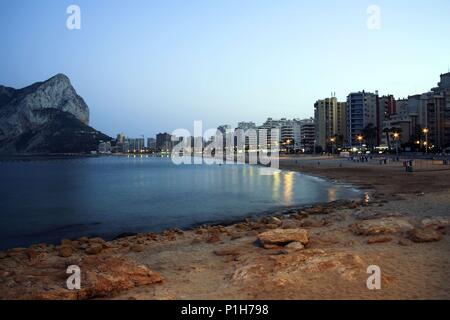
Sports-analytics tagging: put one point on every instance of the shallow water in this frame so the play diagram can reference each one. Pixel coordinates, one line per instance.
(48, 200)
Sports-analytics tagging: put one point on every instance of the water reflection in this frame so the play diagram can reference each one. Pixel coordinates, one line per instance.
(366, 198)
(276, 186)
(289, 178)
(47, 201)
(332, 196)
(283, 187)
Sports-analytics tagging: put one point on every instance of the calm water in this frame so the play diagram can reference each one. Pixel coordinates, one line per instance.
(47, 200)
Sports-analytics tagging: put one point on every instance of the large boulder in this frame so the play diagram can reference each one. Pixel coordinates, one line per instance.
(95, 248)
(281, 237)
(370, 215)
(380, 226)
(436, 222)
(65, 251)
(101, 276)
(424, 235)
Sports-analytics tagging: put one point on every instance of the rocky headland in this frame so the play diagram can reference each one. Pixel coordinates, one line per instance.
(47, 117)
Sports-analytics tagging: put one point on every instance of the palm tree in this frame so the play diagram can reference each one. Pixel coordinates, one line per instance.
(395, 132)
(339, 140)
(387, 132)
(416, 137)
(370, 134)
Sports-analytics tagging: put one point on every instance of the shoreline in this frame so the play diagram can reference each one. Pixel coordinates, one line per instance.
(274, 211)
(404, 227)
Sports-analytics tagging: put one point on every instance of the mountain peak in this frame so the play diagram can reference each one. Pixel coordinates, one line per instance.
(60, 79)
(60, 76)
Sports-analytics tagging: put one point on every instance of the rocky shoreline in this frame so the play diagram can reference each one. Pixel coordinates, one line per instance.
(319, 252)
(36, 272)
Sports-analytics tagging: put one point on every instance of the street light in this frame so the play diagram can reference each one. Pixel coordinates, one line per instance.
(360, 138)
(332, 140)
(396, 137)
(418, 142)
(426, 130)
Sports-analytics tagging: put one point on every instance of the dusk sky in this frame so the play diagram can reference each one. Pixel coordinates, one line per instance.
(149, 66)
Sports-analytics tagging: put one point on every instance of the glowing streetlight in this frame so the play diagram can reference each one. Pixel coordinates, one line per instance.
(396, 137)
(332, 140)
(426, 131)
(360, 138)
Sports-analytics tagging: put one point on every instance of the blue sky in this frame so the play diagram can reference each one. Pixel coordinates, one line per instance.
(149, 66)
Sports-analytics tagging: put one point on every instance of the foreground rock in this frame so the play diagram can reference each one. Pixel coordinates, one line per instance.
(281, 237)
(95, 248)
(436, 222)
(293, 247)
(101, 276)
(370, 215)
(290, 270)
(424, 235)
(380, 226)
(379, 239)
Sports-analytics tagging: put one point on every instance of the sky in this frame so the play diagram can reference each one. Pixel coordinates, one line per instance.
(147, 66)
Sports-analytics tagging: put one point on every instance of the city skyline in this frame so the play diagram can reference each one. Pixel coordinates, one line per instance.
(174, 63)
(381, 112)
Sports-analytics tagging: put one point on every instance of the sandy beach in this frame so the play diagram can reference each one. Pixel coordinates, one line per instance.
(321, 252)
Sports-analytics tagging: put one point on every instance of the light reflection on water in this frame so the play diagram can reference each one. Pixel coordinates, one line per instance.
(276, 186)
(332, 194)
(289, 180)
(366, 198)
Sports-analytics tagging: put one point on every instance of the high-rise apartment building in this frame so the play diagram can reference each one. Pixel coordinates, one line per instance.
(429, 110)
(307, 135)
(135, 144)
(164, 142)
(151, 143)
(362, 111)
(438, 113)
(330, 117)
(247, 136)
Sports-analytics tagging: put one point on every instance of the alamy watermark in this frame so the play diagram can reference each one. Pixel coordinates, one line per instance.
(73, 21)
(226, 146)
(374, 280)
(74, 280)
(374, 19)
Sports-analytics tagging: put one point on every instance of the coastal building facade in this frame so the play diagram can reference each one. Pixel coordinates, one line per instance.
(247, 136)
(135, 144)
(330, 117)
(164, 142)
(362, 111)
(307, 135)
(151, 143)
(438, 113)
